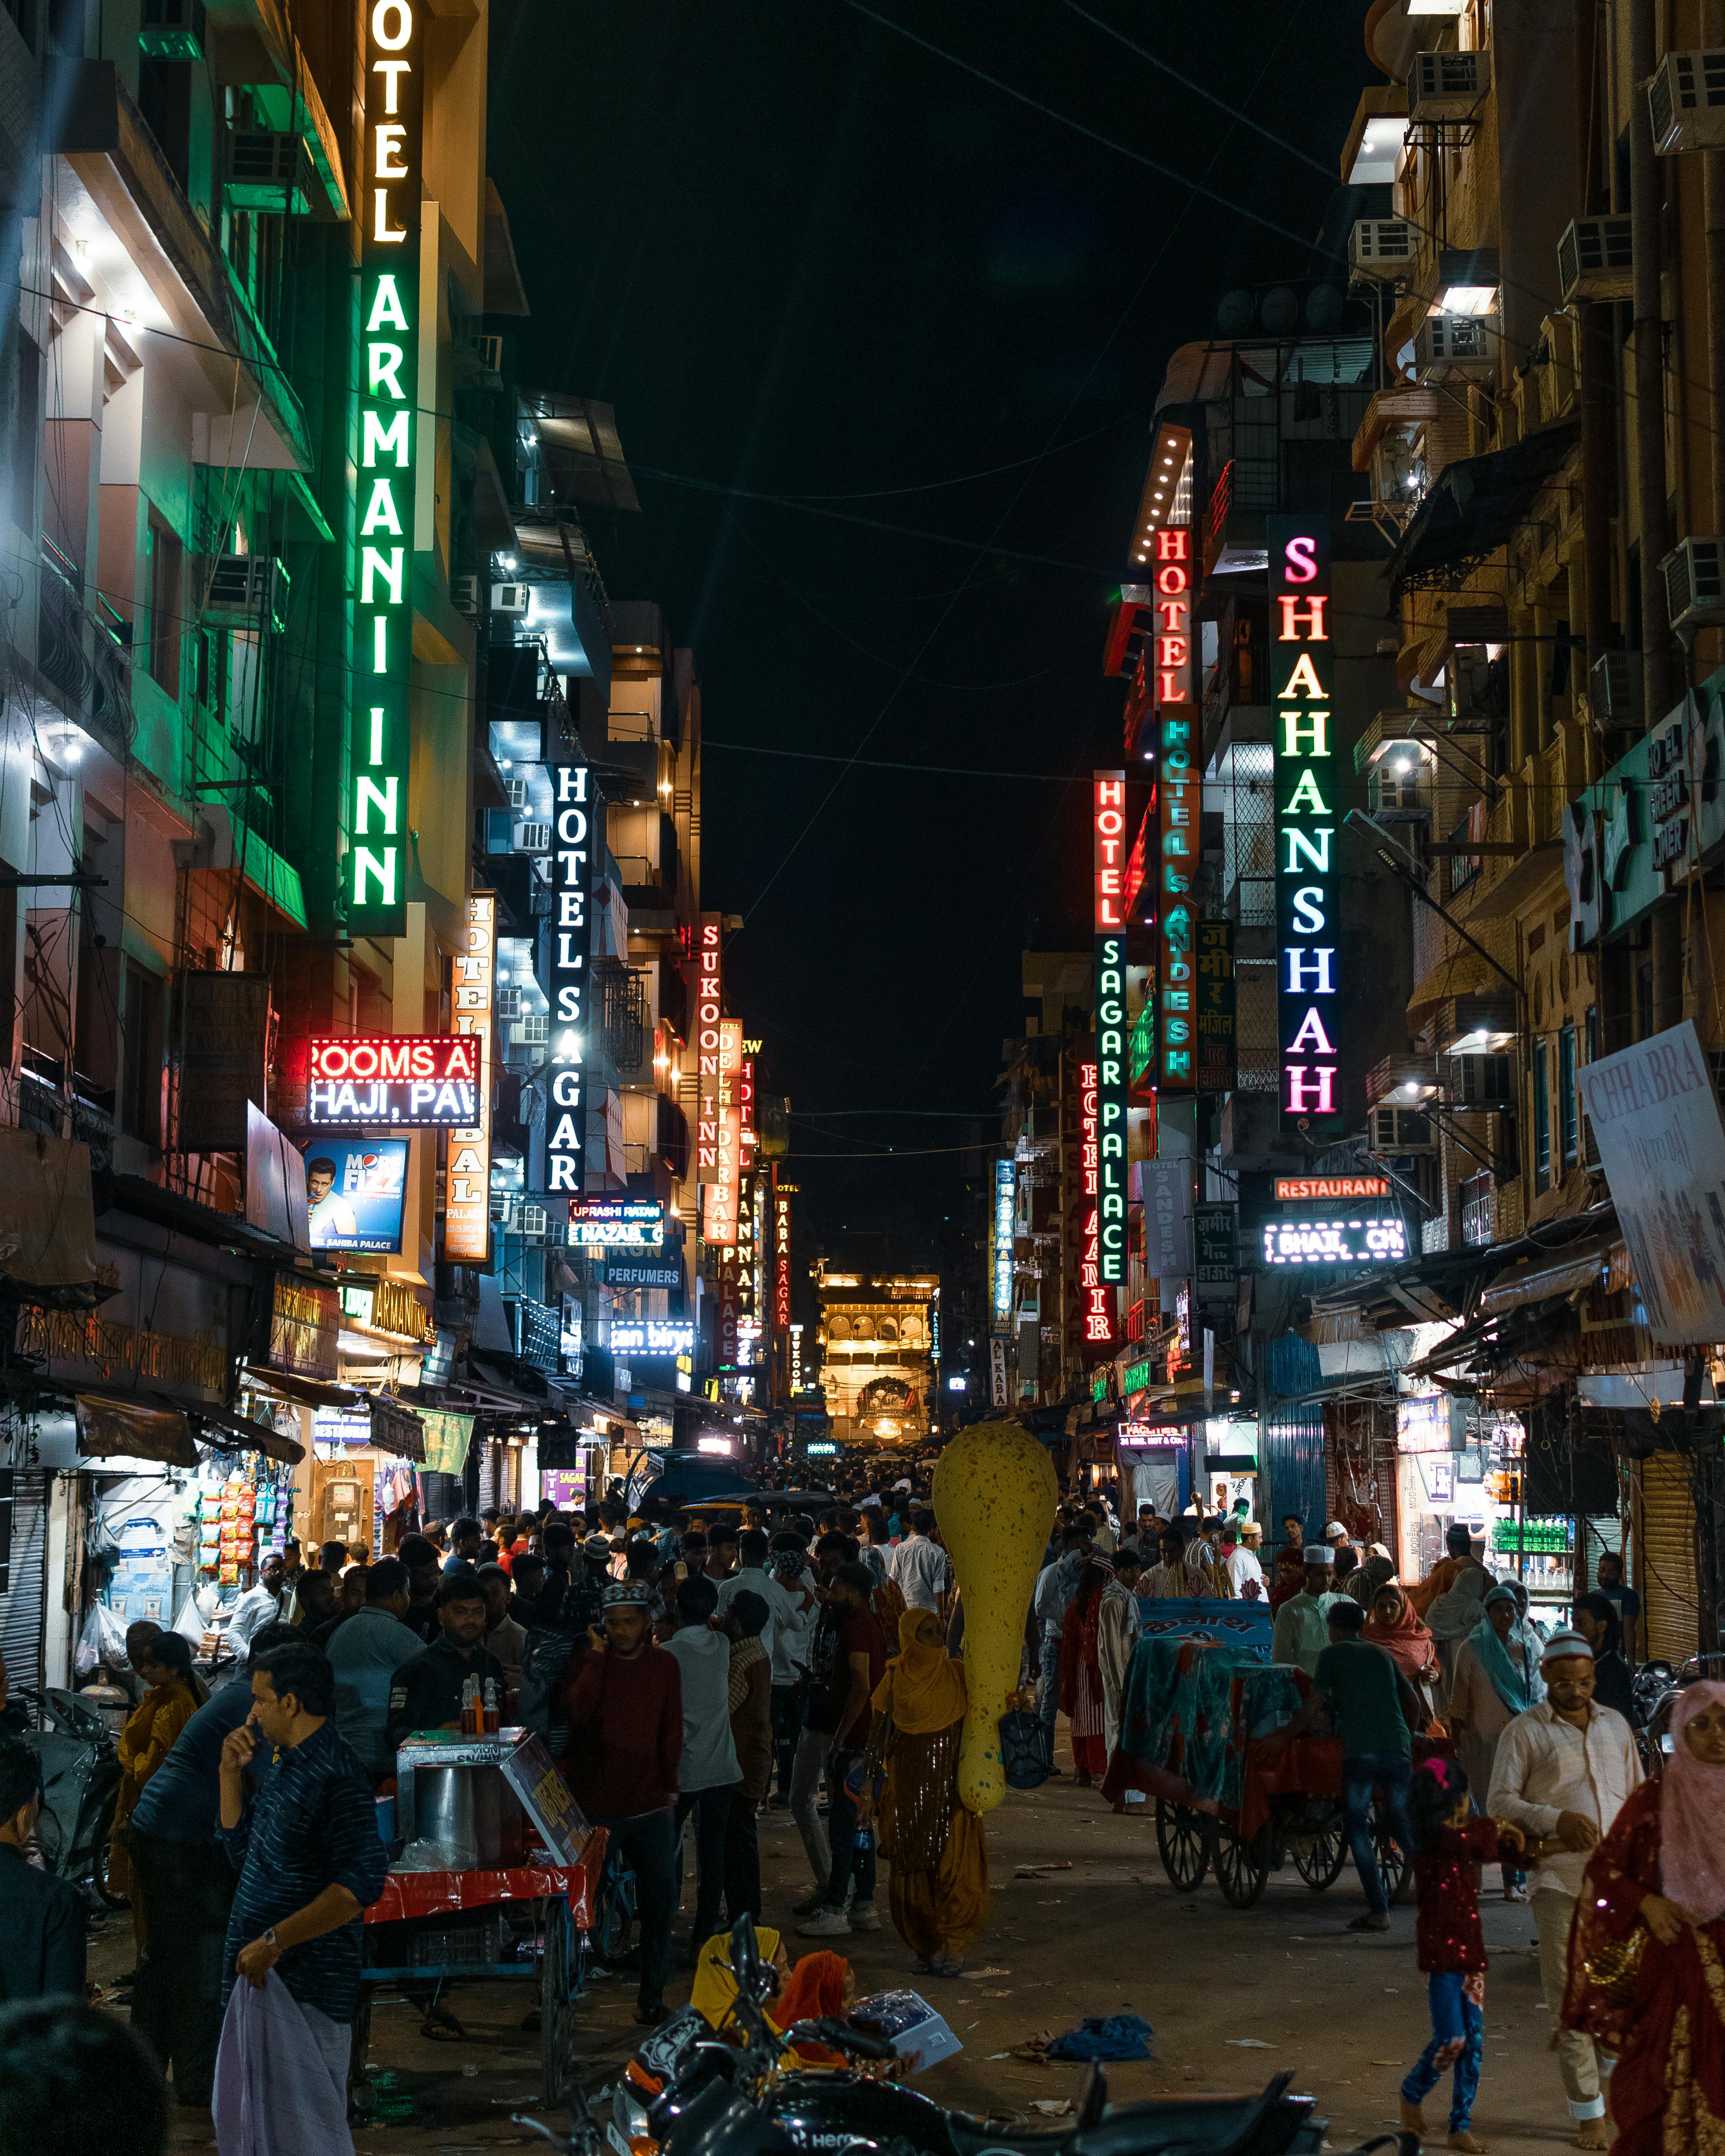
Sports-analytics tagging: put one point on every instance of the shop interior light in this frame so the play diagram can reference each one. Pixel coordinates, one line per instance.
(1469, 300)
(1437, 7)
(1481, 1041)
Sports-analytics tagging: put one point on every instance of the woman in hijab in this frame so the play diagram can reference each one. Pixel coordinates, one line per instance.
(938, 1890)
(821, 1987)
(1497, 1677)
(1647, 1955)
(1378, 1569)
(1454, 1614)
(1393, 1625)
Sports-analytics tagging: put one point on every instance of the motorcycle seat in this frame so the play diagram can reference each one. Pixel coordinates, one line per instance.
(1172, 2125)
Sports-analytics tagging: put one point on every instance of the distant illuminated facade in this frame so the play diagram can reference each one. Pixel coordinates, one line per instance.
(877, 1335)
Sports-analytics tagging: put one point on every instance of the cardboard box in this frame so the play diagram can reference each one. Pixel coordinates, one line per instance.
(910, 2025)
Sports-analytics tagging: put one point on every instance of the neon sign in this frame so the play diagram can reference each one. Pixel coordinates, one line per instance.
(616, 1224)
(1109, 834)
(1178, 788)
(374, 882)
(467, 1182)
(1306, 897)
(574, 806)
(1303, 1241)
(1098, 1303)
(1003, 1172)
(709, 1002)
(652, 1336)
(723, 1191)
(415, 1080)
(1331, 1187)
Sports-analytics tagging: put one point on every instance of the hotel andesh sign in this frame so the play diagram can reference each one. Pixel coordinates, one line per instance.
(374, 883)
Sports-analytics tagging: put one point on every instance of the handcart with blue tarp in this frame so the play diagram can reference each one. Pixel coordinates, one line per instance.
(496, 1877)
(1194, 1715)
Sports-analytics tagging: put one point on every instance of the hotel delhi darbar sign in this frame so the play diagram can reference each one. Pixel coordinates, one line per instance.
(1179, 787)
(376, 803)
(1108, 798)
(1308, 798)
(467, 1195)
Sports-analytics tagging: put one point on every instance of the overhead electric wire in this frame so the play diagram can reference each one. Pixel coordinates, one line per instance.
(888, 763)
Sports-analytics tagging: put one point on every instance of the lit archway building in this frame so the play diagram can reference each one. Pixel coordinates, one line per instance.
(878, 1341)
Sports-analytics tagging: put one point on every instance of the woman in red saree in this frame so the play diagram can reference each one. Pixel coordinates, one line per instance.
(1647, 1955)
(1081, 1693)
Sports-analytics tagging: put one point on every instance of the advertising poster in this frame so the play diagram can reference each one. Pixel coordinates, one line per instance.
(354, 1192)
(1656, 1121)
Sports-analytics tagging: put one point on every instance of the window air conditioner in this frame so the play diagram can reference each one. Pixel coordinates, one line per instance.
(1694, 574)
(1596, 259)
(1381, 248)
(1685, 95)
(508, 598)
(1403, 1129)
(1482, 1084)
(1448, 85)
(1615, 689)
(465, 594)
(533, 1031)
(531, 1222)
(517, 790)
(1450, 344)
(243, 591)
(532, 838)
(488, 350)
(1398, 795)
(172, 30)
(509, 1003)
(269, 174)
(502, 1205)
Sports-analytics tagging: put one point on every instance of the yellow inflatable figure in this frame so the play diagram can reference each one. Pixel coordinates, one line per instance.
(995, 1495)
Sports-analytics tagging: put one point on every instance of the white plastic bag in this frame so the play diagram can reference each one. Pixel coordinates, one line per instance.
(103, 1640)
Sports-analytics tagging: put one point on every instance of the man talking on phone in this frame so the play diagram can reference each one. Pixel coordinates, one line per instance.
(624, 1708)
(306, 1846)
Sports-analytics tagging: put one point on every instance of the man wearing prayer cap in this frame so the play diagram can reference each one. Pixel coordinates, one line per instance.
(1562, 1772)
(1302, 1629)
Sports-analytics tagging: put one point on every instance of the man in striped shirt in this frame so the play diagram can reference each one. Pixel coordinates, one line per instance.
(306, 1847)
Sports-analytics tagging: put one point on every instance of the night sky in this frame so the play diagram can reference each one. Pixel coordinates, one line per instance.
(804, 257)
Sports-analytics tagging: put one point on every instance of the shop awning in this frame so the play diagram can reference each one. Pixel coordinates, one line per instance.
(234, 1433)
(1565, 1272)
(1474, 506)
(304, 1392)
(48, 1252)
(126, 1429)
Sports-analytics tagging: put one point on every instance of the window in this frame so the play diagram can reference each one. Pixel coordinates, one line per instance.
(165, 553)
(1644, 999)
(1567, 1131)
(1542, 1119)
(141, 1086)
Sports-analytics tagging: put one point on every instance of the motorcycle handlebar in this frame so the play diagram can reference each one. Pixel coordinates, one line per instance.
(840, 2036)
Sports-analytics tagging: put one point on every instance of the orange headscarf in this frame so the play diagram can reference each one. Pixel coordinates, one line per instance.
(814, 1988)
(1407, 1641)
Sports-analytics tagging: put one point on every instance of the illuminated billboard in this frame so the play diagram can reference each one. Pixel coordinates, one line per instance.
(422, 1082)
(652, 1336)
(1108, 818)
(1335, 1240)
(386, 450)
(1179, 787)
(569, 985)
(1307, 811)
(355, 1191)
(617, 1223)
(467, 1193)
(1002, 1237)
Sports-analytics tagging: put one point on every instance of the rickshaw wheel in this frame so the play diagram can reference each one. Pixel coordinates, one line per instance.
(1182, 1844)
(556, 2012)
(1394, 1864)
(1319, 1860)
(1242, 1867)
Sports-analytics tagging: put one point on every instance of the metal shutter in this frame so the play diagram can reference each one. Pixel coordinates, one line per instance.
(1291, 1460)
(21, 1607)
(1666, 1560)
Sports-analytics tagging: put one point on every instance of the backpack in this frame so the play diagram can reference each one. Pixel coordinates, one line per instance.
(545, 1666)
(1025, 1750)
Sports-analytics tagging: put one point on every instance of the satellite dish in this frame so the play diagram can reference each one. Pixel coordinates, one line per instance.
(1280, 311)
(1235, 312)
(1323, 307)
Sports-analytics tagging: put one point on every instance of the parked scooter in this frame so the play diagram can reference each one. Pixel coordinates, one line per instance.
(80, 1777)
(689, 2092)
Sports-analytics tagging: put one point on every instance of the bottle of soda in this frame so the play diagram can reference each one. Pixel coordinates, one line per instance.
(469, 1707)
(493, 1718)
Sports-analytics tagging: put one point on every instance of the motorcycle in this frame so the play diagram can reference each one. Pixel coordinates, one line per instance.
(689, 2092)
(80, 1779)
(1654, 1693)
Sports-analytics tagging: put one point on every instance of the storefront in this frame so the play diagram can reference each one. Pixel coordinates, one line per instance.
(1155, 1467)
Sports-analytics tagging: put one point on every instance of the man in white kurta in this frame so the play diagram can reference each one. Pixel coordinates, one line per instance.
(1302, 1631)
(1117, 1627)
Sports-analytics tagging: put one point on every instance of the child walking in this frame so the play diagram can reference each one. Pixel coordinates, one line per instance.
(1448, 1847)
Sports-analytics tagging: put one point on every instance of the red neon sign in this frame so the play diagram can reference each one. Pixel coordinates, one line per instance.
(1108, 817)
(371, 1081)
(1098, 1300)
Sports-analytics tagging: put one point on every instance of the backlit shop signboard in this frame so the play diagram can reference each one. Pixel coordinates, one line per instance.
(1307, 785)
(1152, 1436)
(1337, 1237)
(410, 1081)
(467, 1194)
(1002, 1254)
(386, 522)
(616, 1224)
(1098, 1303)
(569, 981)
(1179, 787)
(1108, 806)
(652, 1336)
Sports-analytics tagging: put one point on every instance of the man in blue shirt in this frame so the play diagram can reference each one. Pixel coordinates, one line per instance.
(185, 1888)
(364, 1655)
(41, 1915)
(307, 1850)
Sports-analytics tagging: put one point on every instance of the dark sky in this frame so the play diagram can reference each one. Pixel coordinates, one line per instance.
(802, 257)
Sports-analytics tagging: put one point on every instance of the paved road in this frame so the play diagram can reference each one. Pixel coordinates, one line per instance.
(1232, 1997)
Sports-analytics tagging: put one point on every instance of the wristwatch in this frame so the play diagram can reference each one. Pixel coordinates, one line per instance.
(269, 1937)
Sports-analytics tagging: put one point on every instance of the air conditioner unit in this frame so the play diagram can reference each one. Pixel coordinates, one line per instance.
(243, 591)
(1398, 796)
(1615, 689)
(1596, 259)
(1451, 345)
(488, 350)
(509, 1003)
(532, 838)
(508, 598)
(533, 1031)
(1448, 85)
(1685, 95)
(269, 174)
(1403, 1129)
(1381, 248)
(465, 594)
(1482, 1084)
(531, 1222)
(502, 1205)
(172, 30)
(517, 790)
(1694, 574)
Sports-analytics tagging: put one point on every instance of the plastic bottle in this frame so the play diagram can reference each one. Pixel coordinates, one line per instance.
(469, 1707)
(493, 1718)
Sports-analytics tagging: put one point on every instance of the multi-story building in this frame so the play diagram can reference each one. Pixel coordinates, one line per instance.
(879, 1362)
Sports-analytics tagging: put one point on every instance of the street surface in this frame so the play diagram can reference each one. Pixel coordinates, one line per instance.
(1232, 1997)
